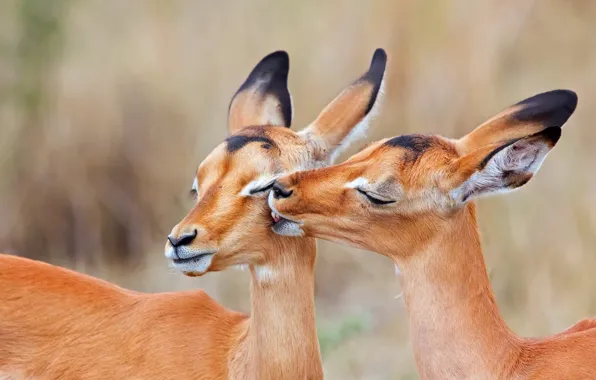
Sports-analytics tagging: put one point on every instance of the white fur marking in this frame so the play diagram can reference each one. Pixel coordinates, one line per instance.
(357, 183)
(264, 273)
(195, 185)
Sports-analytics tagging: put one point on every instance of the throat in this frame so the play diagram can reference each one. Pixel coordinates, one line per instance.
(456, 328)
(281, 336)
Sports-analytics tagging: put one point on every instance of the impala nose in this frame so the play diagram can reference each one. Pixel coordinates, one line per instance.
(183, 239)
(279, 191)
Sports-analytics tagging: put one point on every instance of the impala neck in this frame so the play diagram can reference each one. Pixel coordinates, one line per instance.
(281, 337)
(456, 328)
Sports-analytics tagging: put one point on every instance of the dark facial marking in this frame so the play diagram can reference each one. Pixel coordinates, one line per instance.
(551, 108)
(238, 141)
(416, 144)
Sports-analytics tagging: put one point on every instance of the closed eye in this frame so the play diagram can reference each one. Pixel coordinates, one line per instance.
(262, 189)
(373, 199)
(194, 189)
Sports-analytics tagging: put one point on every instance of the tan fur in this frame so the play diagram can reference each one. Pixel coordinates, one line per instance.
(348, 108)
(431, 235)
(249, 108)
(58, 324)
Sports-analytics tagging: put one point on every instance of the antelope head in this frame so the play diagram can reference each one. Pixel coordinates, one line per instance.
(230, 224)
(393, 196)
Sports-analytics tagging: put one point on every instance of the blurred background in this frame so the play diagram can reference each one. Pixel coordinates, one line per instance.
(107, 107)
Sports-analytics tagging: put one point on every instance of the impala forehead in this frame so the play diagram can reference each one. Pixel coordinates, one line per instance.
(254, 153)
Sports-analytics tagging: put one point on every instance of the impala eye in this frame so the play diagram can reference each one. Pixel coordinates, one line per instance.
(258, 186)
(373, 199)
(194, 189)
(262, 189)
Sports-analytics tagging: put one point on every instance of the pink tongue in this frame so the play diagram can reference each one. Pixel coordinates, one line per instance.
(276, 219)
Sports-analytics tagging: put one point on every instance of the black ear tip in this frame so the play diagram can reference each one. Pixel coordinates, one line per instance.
(552, 134)
(379, 55)
(552, 108)
(379, 61)
(377, 69)
(277, 61)
(570, 100)
(375, 75)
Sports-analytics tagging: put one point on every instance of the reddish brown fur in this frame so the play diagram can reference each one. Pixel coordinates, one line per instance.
(431, 235)
(59, 324)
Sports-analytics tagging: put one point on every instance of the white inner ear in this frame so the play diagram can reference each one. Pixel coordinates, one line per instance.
(260, 183)
(520, 157)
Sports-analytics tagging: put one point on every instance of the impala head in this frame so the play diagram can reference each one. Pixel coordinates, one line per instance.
(395, 193)
(231, 223)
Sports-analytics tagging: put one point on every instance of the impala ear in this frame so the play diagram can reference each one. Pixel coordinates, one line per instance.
(501, 168)
(532, 115)
(346, 118)
(505, 152)
(263, 99)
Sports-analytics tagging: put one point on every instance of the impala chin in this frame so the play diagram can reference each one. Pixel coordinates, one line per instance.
(282, 225)
(191, 262)
(195, 266)
(286, 227)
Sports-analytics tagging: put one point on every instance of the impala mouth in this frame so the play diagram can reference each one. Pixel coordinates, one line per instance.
(195, 265)
(282, 225)
(193, 259)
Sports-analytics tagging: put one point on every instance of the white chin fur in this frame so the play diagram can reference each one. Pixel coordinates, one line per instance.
(200, 265)
(287, 228)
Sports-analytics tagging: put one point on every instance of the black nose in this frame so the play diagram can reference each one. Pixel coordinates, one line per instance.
(184, 239)
(280, 192)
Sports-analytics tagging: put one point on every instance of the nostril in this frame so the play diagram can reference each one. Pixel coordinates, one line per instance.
(184, 239)
(280, 192)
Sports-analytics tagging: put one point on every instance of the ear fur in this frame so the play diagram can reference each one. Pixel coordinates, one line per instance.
(532, 115)
(346, 118)
(263, 98)
(501, 168)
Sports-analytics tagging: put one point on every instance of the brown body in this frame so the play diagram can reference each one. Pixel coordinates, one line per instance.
(411, 198)
(57, 324)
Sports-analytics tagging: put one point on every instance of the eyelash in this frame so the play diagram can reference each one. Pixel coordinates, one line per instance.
(262, 189)
(374, 200)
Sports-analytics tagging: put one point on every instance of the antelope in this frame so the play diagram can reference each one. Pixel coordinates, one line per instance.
(411, 198)
(59, 324)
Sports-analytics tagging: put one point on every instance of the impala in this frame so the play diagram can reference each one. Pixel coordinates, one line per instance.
(411, 198)
(58, 324)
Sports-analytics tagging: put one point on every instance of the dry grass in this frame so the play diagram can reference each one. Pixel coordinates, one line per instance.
(106, 108)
